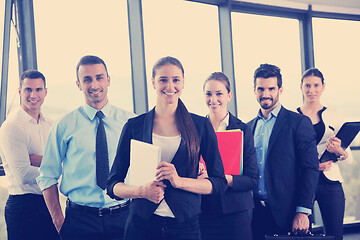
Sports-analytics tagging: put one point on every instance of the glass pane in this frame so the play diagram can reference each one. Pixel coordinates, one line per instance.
(262, 39)
(11, 103)
(337, 50)
(175, 28)
(87, 27)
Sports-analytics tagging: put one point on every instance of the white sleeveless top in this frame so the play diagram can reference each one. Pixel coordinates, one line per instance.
(169, 147)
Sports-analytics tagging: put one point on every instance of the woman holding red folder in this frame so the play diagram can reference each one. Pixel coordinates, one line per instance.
(168, 207)
(227, 216)
(329, 193)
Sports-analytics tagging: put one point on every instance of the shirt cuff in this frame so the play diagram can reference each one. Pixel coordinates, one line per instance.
(303, 210)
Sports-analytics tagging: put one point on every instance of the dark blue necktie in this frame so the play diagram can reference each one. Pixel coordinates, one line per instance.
(102, 158)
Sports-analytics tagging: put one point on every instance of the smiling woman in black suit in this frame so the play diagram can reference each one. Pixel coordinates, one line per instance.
(168, 207)
(226, 216)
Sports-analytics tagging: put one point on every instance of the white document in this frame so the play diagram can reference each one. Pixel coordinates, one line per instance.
(144, 158)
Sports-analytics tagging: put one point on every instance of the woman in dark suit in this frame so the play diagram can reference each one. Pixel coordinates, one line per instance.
(168, 207)
(227, 216)
(327, 122)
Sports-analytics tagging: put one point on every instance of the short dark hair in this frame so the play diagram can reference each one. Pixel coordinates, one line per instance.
(89, 60)
(267, 71)
(219, 76)
(31, 74)
(313, 72)
(164, 61)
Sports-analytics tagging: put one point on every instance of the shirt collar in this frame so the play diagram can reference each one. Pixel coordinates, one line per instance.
(274, 112)
(91, 112)
(225, 122)
(24, 115)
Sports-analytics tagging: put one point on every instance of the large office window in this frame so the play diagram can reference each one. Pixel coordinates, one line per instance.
(12, 100)
(263, 39)
(188, 31)
(66, 31)
(337, 50)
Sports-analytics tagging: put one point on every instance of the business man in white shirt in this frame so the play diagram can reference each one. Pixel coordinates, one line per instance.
(23, 138)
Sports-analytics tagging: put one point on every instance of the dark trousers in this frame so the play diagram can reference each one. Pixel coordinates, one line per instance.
(166, 228)
(230, 226)
(331, 200)
(27, 217)
(263, 223)
(87, 223)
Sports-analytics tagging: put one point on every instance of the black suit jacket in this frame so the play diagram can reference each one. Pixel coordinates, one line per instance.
(183, 204)
(291, 168)
(238, 197)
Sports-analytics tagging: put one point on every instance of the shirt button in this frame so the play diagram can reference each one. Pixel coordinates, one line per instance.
(259, 176)
(260, 162)
(262, 134)
(261, 148)
(259, 191)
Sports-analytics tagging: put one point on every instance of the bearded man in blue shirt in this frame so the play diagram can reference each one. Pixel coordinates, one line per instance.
(81, 148)
(287, 159)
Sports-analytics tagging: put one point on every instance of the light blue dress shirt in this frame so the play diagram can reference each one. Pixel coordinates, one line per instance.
(262, 135)
(70, 153)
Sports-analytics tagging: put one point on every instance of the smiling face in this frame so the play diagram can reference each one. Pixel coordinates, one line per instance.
(168, 84)
(216, 96)
(94, 82)
(267, 93)
(32, 93)
(312, 88)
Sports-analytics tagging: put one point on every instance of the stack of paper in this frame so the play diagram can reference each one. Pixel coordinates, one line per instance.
(144, 158)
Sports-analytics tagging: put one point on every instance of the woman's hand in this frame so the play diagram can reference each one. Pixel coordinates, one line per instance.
(202, 172)
(325, 166)
(168, 171)
(230, 180)
(333, 145)
(153, 191)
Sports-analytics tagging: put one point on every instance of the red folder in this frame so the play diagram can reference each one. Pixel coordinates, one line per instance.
(231, 151)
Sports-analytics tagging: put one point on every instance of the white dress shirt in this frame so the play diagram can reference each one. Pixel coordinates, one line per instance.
(21, 136)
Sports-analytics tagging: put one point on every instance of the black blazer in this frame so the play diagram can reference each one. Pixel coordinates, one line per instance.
(183, 204)
(239, 197)
(292, 167)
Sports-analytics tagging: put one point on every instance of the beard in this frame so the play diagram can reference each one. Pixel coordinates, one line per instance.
(270, 105)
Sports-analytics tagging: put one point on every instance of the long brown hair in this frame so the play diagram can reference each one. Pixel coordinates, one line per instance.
(183, 120)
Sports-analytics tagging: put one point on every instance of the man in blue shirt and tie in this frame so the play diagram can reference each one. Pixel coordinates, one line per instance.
(287, 160)
(81, 148)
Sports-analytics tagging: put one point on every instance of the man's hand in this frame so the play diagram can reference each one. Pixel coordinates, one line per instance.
(58, 222)
(300, 223)
(35, 160)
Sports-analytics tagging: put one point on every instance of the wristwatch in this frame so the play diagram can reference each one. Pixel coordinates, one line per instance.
(341, 157)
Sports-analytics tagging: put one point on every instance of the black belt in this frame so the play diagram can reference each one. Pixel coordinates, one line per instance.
(98, 211)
